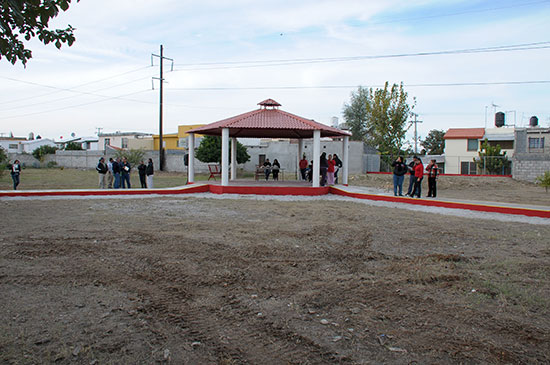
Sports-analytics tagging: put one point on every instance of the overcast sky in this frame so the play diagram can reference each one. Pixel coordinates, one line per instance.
(307, 55)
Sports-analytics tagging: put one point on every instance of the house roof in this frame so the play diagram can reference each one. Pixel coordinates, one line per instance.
(464, 133)
(269, 122)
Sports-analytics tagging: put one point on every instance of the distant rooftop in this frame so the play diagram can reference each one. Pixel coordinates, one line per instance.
(464, 133)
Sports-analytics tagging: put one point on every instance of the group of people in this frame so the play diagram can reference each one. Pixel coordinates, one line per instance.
(116, 173)
(416, 174)
(328, 169)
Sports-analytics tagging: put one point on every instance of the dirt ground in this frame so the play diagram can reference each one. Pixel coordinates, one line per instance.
(185, 280)
(477, 188)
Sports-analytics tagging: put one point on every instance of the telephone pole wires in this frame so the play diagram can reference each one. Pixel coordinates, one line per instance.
(161, 95)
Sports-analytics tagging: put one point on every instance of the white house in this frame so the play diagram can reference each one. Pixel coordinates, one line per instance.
(119, 139)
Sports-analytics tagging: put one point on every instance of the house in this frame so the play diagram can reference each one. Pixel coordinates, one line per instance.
(11, 144)
(87, 143)
(120, 139)
(462, 146)
(29, 146)
(532, 155)
(177, 141)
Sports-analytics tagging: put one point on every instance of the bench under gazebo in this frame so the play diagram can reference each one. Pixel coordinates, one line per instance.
(268, 122)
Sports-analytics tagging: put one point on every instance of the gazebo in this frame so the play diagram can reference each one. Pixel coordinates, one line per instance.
(267, 122)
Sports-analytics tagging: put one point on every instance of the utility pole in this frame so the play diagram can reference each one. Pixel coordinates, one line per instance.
(415, 133)
(161, 79)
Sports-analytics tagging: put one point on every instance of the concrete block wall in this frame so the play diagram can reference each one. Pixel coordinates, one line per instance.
(528, 167)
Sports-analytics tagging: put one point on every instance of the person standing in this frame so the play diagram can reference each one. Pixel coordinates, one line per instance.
(303, 167)
(275, 170)
(110, 175)
(339, 165)
(141, 170)
(15, 173)
(323, 167)
(310, 172)
(418, 176)
(267, 169)
(399, 171)
(410, 168)
(150, 172)
(102, 171)
(433, 172)
(330, 170)
(125, 172)
(117, 166)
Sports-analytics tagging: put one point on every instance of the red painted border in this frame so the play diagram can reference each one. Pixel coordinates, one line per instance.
(269, 190)
(453, 205)
(465, 175)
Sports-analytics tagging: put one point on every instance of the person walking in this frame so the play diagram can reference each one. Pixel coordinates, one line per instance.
(117, 166)
(433, 172)
(418, 176)
(125, 172)
(141, 170)
(330, 170)
(303, 167)
(150, 172)
(410, 168)
(399, 171)
(102, 171)
(323, 167)
(110, 176)
(339, 165)
(275, 169)
(15, 173)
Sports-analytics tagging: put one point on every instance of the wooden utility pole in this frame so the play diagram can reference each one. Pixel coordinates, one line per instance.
(161, 96)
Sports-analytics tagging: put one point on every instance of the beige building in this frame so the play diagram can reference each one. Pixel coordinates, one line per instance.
(122, 139)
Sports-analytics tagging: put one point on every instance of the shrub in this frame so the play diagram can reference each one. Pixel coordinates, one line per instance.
(133, 156)
(3, 160)
(71, 146)
(544, 180)
(42, 151)
(51, 164)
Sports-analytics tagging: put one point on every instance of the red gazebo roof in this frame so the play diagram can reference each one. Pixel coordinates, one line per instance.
(269, 123)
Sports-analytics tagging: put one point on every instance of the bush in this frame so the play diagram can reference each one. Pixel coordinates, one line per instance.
(544, 180)
(51, 164)
(71, 146)
(3, 160)
(42, 151)
(134, 157)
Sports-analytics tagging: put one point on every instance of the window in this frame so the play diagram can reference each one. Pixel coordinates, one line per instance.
(124, 143)
(12, 146)
(536, 143)
(468, 168)
(473, 144)
(107, 143)
(261, 159)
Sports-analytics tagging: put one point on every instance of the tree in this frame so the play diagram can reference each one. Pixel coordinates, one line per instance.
(355, 114)
(72, 146)
(3, 161)
(544, 180)
(42, 151)
(210, 150)
(133, 156)
(434, 142)
(492, 159)
(30, 19)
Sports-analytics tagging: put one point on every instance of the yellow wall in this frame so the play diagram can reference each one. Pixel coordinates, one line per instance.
(170, 141)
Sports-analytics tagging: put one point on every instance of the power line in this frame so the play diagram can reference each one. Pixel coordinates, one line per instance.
(526, 82)
(293, 61)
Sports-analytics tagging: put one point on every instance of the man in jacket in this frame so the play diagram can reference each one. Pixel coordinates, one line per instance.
(116, 172)
(410, 167)
(102, 170)
(433, 172)
(125, 172)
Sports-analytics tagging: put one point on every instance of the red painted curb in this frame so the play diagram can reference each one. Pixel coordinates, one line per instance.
(444, 204)
(269, 190)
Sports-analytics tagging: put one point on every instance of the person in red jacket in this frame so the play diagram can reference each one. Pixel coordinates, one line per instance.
(418, 176)
(433, 172)
(330, 170)
(303, 167)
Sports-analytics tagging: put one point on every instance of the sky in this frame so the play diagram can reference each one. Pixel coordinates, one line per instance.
(459, 61)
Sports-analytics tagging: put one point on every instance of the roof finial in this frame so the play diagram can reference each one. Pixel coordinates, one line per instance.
(269, 102)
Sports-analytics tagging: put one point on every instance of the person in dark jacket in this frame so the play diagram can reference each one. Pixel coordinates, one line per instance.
(102, 171)
(125, 172)
(267, 169)
(339, 165)
(433, 172)
(142, 171)
(399, 171)
(116, 172)
(150, 172)
(410, 167)
(323, 167)
(275, 169)
(15, 170)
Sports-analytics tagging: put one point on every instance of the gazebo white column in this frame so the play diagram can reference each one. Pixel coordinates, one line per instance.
(233, 158)
(316, 157)
(345, 162)
(225, 156)
(300, 153)
(191, 158)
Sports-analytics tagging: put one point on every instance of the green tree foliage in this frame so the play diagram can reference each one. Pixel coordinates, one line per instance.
(492, 159)
(29, 19)
(42, 151)
(434, 144)
(380, 117)
(72, 146)
(355, 113)
(544, 180)
(133, 156)
(3, 160)
(210, 150)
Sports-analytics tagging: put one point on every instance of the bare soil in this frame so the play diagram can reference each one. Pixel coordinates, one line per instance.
(477, 188)
(198, 281)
